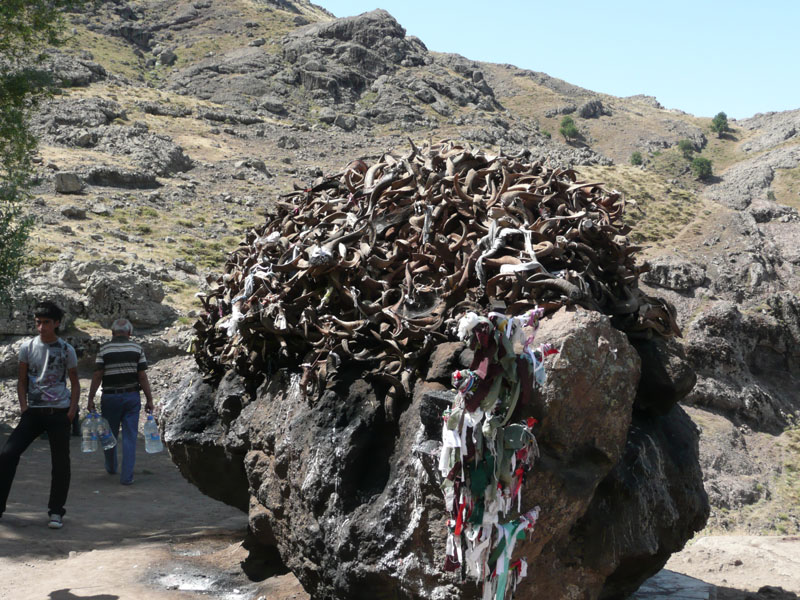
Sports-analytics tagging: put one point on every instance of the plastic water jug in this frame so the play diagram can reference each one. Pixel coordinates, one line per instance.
(152, 440)
(107, 439)
(88, 434)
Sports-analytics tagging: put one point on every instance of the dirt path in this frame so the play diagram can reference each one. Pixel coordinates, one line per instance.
(162, 539)
(159, 538)
(737, 564)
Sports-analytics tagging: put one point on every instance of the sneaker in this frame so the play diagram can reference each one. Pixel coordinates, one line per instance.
(55, 521)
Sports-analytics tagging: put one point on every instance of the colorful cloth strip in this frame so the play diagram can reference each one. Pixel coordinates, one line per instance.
(488, 447)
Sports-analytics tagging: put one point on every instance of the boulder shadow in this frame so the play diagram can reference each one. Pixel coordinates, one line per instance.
(66, 594)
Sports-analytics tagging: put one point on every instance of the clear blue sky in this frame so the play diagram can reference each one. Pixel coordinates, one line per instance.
(702, 56)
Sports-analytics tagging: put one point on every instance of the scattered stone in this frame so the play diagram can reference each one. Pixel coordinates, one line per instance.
(561, 110)
(167, 58)
(120, 177)
(74, 212)
(185, 266)
(273, 104)
(346, 122)
(100, 209)
(68, 183)
(85, 139)
(165, 110)
(288, 142)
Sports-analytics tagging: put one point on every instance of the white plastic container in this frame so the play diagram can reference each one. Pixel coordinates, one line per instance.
(89, 434)
(152, 439)
(104, 435)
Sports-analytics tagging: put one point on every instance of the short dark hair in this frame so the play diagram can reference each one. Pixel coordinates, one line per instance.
(48, 310)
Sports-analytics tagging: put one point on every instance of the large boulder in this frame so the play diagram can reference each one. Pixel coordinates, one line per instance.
(132, 293)
(348, 490)
(97, 291)
(16, 318)
(73, 71)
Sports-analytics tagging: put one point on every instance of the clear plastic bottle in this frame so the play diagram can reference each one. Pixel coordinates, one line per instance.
(89, 434)
(95, 424)
(152, 440)
(107, 439)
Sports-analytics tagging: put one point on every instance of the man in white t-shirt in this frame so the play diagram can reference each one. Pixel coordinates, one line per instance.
(45, 364)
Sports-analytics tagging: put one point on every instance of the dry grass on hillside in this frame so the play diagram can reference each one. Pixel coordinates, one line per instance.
(661, 211)
(786, 187)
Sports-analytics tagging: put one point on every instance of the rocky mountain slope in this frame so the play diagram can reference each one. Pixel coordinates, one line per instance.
(182, 122)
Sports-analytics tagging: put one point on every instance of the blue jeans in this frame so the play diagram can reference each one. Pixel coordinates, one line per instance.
(122, 409)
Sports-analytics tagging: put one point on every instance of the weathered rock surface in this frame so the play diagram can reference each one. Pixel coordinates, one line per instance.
(358, 72)
(97, 291)
(749, 180)
(593, 109)
(74, 71)
(131, 293)
(748, 362)
(67, 183)
(740, 319)
(777, 128)
(351, 498)
(91, 123)
(674, 274)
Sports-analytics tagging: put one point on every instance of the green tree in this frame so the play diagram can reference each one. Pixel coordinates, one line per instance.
(27, 28)
(686, 148)
(719, 124)
(568, 128)
(701, 167)
(636, 158)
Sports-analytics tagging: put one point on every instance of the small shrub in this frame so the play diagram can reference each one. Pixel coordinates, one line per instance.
(568, 128)
(636, 158)
(701, 168)
(719, 124)
(686, 148)
(546, 134)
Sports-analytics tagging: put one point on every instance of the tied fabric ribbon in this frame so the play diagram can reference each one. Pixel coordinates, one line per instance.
(488, 447)
(464, 380)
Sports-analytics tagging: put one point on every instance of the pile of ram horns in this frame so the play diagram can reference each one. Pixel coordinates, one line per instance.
(376, 264)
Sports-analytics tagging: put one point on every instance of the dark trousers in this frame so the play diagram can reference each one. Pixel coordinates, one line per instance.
(32, 424)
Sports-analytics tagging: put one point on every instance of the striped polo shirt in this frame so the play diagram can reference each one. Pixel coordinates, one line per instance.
(120, 360)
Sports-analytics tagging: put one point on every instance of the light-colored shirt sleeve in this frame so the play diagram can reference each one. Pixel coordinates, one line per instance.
(72, 357)
(24, 353)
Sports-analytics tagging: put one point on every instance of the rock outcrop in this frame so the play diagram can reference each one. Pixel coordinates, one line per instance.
(94, 123)
(97, 291)
(735, 298)
(351, 500)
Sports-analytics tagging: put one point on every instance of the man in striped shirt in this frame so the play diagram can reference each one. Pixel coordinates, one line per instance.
(121, 368)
